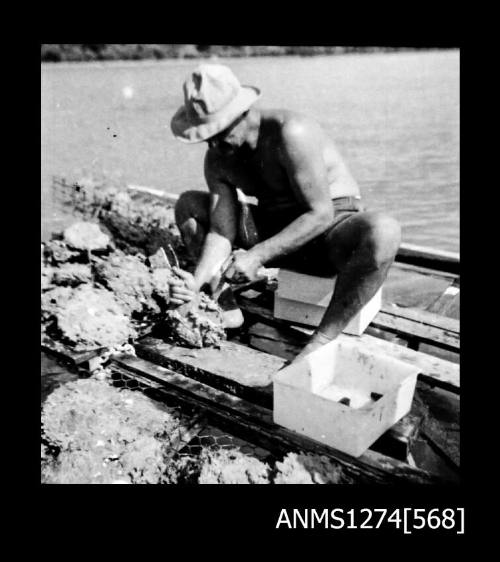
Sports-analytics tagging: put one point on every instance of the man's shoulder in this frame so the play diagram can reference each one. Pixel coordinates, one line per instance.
(292, 125)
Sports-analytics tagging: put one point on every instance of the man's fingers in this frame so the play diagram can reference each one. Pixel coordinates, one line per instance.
(183, 298)
(176, 300)
(183, 274)
(182, 291)
(175, 283)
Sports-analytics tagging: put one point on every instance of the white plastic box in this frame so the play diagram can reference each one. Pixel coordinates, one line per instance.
(303, 299)
(343, 395)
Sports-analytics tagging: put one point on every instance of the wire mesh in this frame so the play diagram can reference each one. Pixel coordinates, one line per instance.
(186, 416)
(173, 439)
(209, 436)
(187, 446)
(214, 438)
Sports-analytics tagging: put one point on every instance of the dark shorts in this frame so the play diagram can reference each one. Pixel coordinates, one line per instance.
(310, 257)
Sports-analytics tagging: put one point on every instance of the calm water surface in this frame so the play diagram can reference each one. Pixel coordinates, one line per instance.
(395, 118)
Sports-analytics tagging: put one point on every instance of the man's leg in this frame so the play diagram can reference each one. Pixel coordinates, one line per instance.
(360, 250)
(193, 218)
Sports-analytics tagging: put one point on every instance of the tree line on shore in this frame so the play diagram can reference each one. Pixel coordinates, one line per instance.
(131, 51)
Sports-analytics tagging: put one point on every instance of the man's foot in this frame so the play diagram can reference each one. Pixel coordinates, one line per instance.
(231, 313)
(232, 318)
(317, 340)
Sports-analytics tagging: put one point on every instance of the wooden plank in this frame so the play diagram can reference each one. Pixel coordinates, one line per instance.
(234, 368)
(435, 371)
(430, 258)
(413, 323)
(423, 325)
(254, 423)
(407, 323)
(84, 359)
(67, 354)
(395, 442)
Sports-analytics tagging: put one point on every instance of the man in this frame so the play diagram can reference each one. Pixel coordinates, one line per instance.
(309, 214)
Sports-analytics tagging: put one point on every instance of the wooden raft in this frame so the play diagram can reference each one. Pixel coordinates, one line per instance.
(252, 422)
(397, 331)
(286, 340)
(247, 373)
(244, 409)
(438, 429)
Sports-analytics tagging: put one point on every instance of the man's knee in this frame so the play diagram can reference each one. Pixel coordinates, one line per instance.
(381, 237)
(192, 204)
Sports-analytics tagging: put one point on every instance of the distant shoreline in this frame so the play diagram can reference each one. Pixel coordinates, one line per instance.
(184, 63)
(56, 53)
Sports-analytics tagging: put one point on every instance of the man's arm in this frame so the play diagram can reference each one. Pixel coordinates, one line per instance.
(307, 173)
(223, 224)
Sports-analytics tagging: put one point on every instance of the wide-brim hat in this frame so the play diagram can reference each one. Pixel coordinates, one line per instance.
(213, 99)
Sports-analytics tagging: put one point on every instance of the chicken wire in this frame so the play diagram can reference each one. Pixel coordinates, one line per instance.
(197, 434)
(214, 438)
(209, 436)
(177, 439)
(187, 447)
(187, 416)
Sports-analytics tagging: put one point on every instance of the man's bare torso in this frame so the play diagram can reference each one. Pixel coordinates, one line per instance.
(261, 173)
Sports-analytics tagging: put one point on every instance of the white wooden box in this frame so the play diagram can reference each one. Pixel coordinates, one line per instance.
(303, 299)
(344, 395)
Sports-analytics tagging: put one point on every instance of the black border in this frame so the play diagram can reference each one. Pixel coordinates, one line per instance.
(243, 510)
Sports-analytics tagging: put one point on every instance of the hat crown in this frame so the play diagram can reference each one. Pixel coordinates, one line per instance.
(209, 89)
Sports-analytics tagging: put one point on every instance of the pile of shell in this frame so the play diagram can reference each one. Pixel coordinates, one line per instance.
(231, 466)
(308, 469)
(95, 295)
(200, 326)
(136, 224)
(94, 433)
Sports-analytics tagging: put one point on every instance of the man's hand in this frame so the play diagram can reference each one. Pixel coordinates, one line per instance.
(244, 267)
(182, 288)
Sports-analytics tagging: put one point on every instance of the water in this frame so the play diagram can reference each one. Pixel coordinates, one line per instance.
(394, 116)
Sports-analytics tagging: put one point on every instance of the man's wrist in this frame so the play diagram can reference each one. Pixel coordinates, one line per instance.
(199, 281)
(259, 253)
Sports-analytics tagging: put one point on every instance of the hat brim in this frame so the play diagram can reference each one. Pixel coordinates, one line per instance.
(189, 131)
